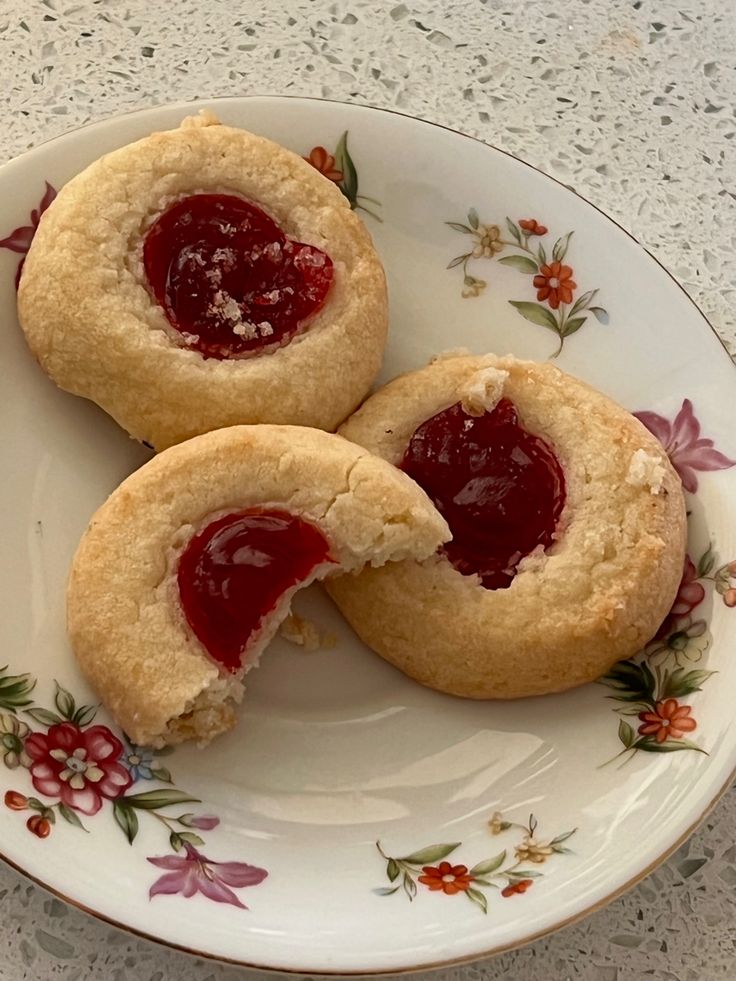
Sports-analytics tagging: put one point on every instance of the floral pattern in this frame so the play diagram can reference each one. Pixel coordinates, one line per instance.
(651, 685)
(428, 867)
(686, 448)
(190, 873)
(339, 168)
(80, 768)
(552, 279)
(20, 238)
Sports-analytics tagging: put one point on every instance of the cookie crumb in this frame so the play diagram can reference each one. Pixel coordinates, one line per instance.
(646, 470)
(304, 633)
(205, 117)
(482, 391)
(451, 352)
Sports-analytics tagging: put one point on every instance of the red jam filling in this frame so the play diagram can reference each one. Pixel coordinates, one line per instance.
(234, 572)
(228, 278)
(500, 489)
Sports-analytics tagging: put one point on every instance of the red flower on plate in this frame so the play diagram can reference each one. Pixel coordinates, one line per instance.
(687, 449)
(20, 238)
(324, 162)
(532, 227)
(192, 872)
(39, 826)
(554, 283)
(15, 801)
(450, 879)
(514, 888)
(78, 766)
(690, 593)
(670, 720)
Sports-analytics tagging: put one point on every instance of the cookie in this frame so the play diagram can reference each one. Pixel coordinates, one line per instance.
(205, 277)
(187, 570)
(568, 525)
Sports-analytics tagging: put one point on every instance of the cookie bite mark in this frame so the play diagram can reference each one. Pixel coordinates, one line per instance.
(500, 489)
(228, 279)
(187, 571)
(238, 569)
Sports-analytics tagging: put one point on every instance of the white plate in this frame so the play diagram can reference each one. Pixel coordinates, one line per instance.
(336, 750)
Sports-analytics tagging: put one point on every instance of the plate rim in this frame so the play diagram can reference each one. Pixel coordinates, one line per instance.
(498, 948)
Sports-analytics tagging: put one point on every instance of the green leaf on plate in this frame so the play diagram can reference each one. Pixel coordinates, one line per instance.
(15, 690)
(126, 818)
(707, 561)
(513, 228)
(386, 890)
(84, 715)
(582, 302)
(392, 870)
(43, 716)
(542, 255)
(161, 773)
(459, 227)
(473, 218)
(572, 325)
(521, 263)
(683, 682)
(650, 745)
(559, 249)
(409, 885)
(535, 313)
(634, 682)
(432, 853)
(485, 868)
(563, 837)
(191, 838)
(456, 261)
(626, 734)
(344, 162)
(477, 897)
(152, 799)
(64, 702)
(69, 815)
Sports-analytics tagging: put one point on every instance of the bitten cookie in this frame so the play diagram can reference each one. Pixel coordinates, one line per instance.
(205, 277)
(187, 570)
(568, 526)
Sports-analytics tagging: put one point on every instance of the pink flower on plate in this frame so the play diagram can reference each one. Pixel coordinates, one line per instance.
(79, 766)
(686, 448)
(192, 872)
(20, 238)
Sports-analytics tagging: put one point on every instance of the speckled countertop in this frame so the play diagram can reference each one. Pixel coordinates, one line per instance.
(629, 101)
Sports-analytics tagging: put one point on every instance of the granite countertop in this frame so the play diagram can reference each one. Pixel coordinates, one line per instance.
(630, 102)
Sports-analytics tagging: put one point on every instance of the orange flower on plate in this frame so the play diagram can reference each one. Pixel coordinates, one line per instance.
(554, 283)
(670, 720)
(450, 879)
(532, 226)
(516, 887)
(324, 162)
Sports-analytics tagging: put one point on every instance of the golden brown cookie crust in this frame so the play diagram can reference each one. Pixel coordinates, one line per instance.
(94, 326)
(124, 616)
(600, 592)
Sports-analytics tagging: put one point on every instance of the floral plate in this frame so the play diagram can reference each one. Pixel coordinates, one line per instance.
(354, 821)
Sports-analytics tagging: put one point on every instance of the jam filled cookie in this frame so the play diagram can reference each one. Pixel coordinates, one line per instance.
(187, 570)
(205, 277)
(568, 525)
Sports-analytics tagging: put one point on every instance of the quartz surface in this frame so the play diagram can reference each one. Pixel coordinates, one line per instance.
(631, 102)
